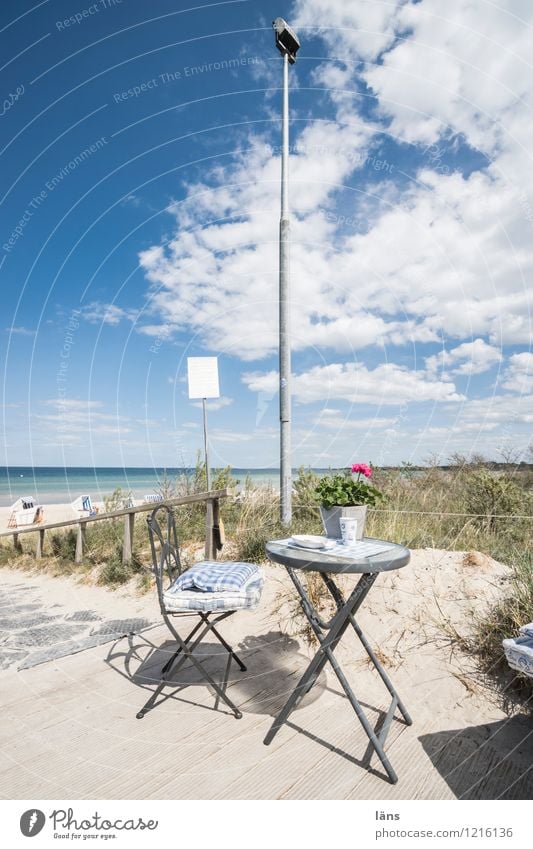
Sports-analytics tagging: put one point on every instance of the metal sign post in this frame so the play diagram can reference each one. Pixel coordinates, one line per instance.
(206, 447)
(203, 383)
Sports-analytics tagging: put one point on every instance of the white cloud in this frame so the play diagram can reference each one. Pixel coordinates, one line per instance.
(349, 422)
(132, 200)
(508, 410)
(232, 436)
(386, 384)
(20, 331)
(448, 257)
(220, 280)
(362, 29)
(160, 331)
(215, 403)
(518, 376)
(111, 314)
(453, 253)
(448, 263)
(74, 405)
(68, 426)
(468, 427)
(74, 417)
(457, 68)
(468, 358)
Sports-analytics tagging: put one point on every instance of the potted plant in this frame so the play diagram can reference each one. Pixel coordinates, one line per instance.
(347, 493)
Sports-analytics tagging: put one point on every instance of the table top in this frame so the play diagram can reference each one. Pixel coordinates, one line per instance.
(316, 560)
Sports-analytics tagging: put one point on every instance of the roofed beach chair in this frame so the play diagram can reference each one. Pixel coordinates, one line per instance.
(210, 590)
(24, 512)
(519, 651)
(152, 498)
(84, 506)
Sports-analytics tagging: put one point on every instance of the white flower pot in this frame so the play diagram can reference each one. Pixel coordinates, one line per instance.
(331, 519)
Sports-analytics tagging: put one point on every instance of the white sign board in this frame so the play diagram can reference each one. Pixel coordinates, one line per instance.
(203, 377)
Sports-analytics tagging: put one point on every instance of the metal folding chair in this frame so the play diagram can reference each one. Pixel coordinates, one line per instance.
(210, 608)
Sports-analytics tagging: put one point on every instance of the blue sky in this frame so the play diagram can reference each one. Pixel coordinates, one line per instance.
(140, 206)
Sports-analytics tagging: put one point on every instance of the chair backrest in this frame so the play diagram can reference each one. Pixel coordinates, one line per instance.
(165, 548)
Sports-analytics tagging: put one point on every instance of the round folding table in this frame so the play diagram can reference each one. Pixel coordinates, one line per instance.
(368, 558)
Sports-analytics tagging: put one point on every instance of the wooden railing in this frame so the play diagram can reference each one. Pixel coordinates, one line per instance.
(212, 518)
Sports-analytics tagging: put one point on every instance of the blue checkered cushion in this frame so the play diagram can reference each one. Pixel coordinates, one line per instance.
(246, 597)
(212, 576)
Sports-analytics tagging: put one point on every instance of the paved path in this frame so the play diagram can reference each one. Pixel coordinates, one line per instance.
(33, 631)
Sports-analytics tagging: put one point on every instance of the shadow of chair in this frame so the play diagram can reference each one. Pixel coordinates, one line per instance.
(273, 663)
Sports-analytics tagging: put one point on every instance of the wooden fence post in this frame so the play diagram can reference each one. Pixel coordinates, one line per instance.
(209, 529)
(80, 539)
(127, 546)
(17, 545)
(40, 544)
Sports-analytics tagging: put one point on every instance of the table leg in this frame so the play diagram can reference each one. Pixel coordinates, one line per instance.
(339, 623)
(335, 630)
(371, 734)
(381, 672)
(335, 592)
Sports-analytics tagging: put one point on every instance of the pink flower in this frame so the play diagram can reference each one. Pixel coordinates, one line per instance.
(362, 469)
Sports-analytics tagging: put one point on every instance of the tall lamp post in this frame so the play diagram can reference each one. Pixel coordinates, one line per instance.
(288, 45)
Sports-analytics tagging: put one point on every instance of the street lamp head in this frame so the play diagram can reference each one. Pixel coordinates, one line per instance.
(286, 39)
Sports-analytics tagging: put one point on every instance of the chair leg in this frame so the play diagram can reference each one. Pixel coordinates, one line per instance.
(187, 654)
(152, 700)
(208, 626)
(171, 660)
(167, 668)
(228, 648)
(204, 619)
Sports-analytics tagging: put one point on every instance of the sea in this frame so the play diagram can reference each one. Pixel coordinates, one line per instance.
(58, 485)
